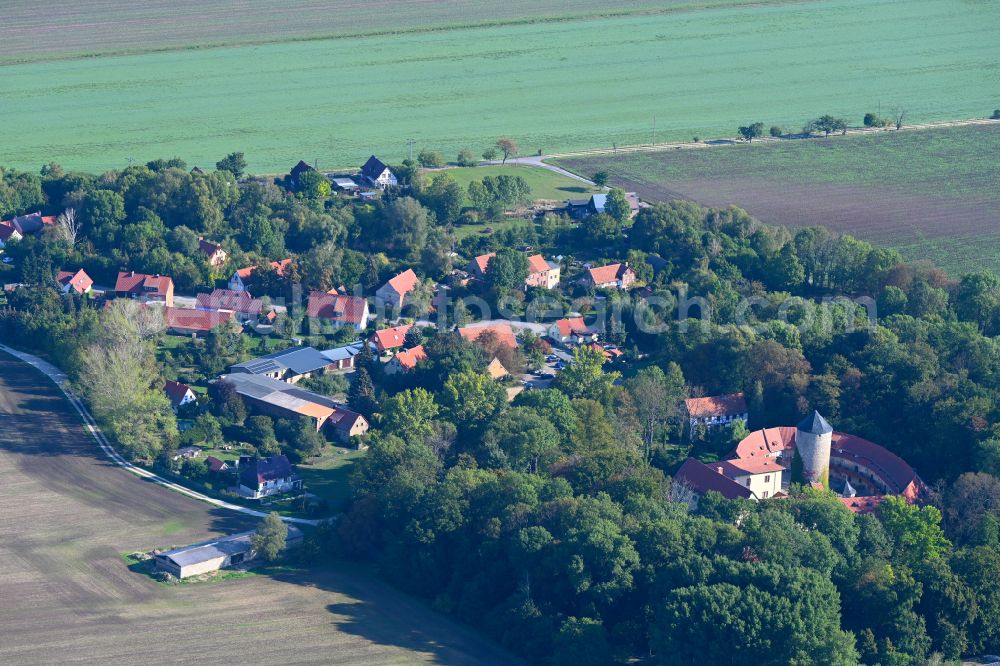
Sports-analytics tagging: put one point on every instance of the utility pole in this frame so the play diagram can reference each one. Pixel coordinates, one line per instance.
(410, 143)
(130, 160)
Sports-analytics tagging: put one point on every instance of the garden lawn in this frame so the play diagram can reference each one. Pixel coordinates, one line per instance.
(329, 476)
(554, 86)
(545, 185)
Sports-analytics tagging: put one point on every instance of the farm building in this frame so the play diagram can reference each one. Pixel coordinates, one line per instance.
(214, 555)
(287, 365)
(343, 358)
(185, 321)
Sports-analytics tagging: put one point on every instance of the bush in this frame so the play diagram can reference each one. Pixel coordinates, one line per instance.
(430, 158)
(996, 114)
(467, 158)
(776, 131)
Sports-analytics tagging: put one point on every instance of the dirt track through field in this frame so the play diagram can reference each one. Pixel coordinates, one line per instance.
(67, 515)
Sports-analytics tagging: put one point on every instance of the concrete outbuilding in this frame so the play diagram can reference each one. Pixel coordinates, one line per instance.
(210, 556)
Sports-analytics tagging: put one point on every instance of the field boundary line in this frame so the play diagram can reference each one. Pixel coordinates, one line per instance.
(61, 380)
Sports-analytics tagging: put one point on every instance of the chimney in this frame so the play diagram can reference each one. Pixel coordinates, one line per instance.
(719, 470)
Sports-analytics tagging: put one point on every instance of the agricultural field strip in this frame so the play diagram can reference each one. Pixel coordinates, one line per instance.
(556, 87)
(117, 27)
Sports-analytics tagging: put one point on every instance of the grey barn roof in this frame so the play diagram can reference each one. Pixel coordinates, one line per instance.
(300, 360)
(815, 424)
(345, 352)
(225, 547)
(275, 392)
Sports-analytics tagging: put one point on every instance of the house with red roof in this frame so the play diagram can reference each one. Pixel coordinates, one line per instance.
(187, 321)
(178, 393)
(718, 410)
(611, 276)
(542, 273)
(572, 331)
(701, 478)
(32, 223)
(392, 295)
(405, 360)
(478, 265)
(8, 233)
(389, 339)
(338, 309)
(77, 282)
(145, 288)
(216, 255)
(243, 306)
(503, 333)
(242, 277)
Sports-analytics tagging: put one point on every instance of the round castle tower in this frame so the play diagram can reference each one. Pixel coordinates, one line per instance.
(812, 449)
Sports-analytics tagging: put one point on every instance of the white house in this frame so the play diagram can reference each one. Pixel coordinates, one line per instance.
(377, 174)
(718, 410)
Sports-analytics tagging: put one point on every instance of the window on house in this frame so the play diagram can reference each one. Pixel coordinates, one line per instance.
(749, 480)
(767, 478)
(764, 495)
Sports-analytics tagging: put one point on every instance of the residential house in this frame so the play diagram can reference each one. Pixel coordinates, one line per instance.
(242, 277)
(187, 453)
(377, 174)
(279, 400)
(297, 170)
(502, 332)
(179, 394)
(32, 223)
(216, 255)
(145, 288)
(389, 339)
(287, 365)
(261, 477)
(716, 410)
(405, 360)
(8, 233)
(338, 309)
(243, 306)
(478, 265)
(495, 370)
(216, 466)
(186, 321)
(610, 352)
(78, 282)
(542, 273)
(611, 276)
(391, 296)
(572, 331)
(347, 424)
(209, 556)
(343, 358)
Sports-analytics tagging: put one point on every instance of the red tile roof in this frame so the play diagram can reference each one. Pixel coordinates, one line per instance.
(606, 274)
(573, 326)
(405, 282)
(408, 358)
(390, 338)
(743, 466)
(893, 470)
(208, 247)
(278, 267)
(483, 260)
(503, 332)
(7, 230)
(79, 281)
(703, 478)
(225, 299)
(175, 391)
(767, 441)
(195, 320)
(345, 309)
(862, 504)
(139, 283)
(718, 405)
(537, 264)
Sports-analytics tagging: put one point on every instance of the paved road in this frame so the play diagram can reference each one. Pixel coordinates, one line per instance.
(62, 381)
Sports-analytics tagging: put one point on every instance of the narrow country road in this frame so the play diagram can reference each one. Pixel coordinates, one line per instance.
(60, 379)
(540, 160)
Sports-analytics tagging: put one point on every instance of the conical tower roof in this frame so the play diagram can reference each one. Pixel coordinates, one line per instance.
(849, 490)
(815, 424)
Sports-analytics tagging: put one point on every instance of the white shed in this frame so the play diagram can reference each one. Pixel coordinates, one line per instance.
(208, 556)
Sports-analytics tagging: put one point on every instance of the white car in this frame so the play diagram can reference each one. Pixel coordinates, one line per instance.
(8, 260)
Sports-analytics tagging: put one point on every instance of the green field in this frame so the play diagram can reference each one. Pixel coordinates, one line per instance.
(329, 476)
(545, 185)
(554, 85)
(933, 194)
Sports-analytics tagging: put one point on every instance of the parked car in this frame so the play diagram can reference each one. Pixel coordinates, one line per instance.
(546, 375)
(8, 260)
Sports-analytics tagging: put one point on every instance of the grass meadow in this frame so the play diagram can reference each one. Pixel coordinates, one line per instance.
(545, 185)
(554, 84)
(932, 194)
